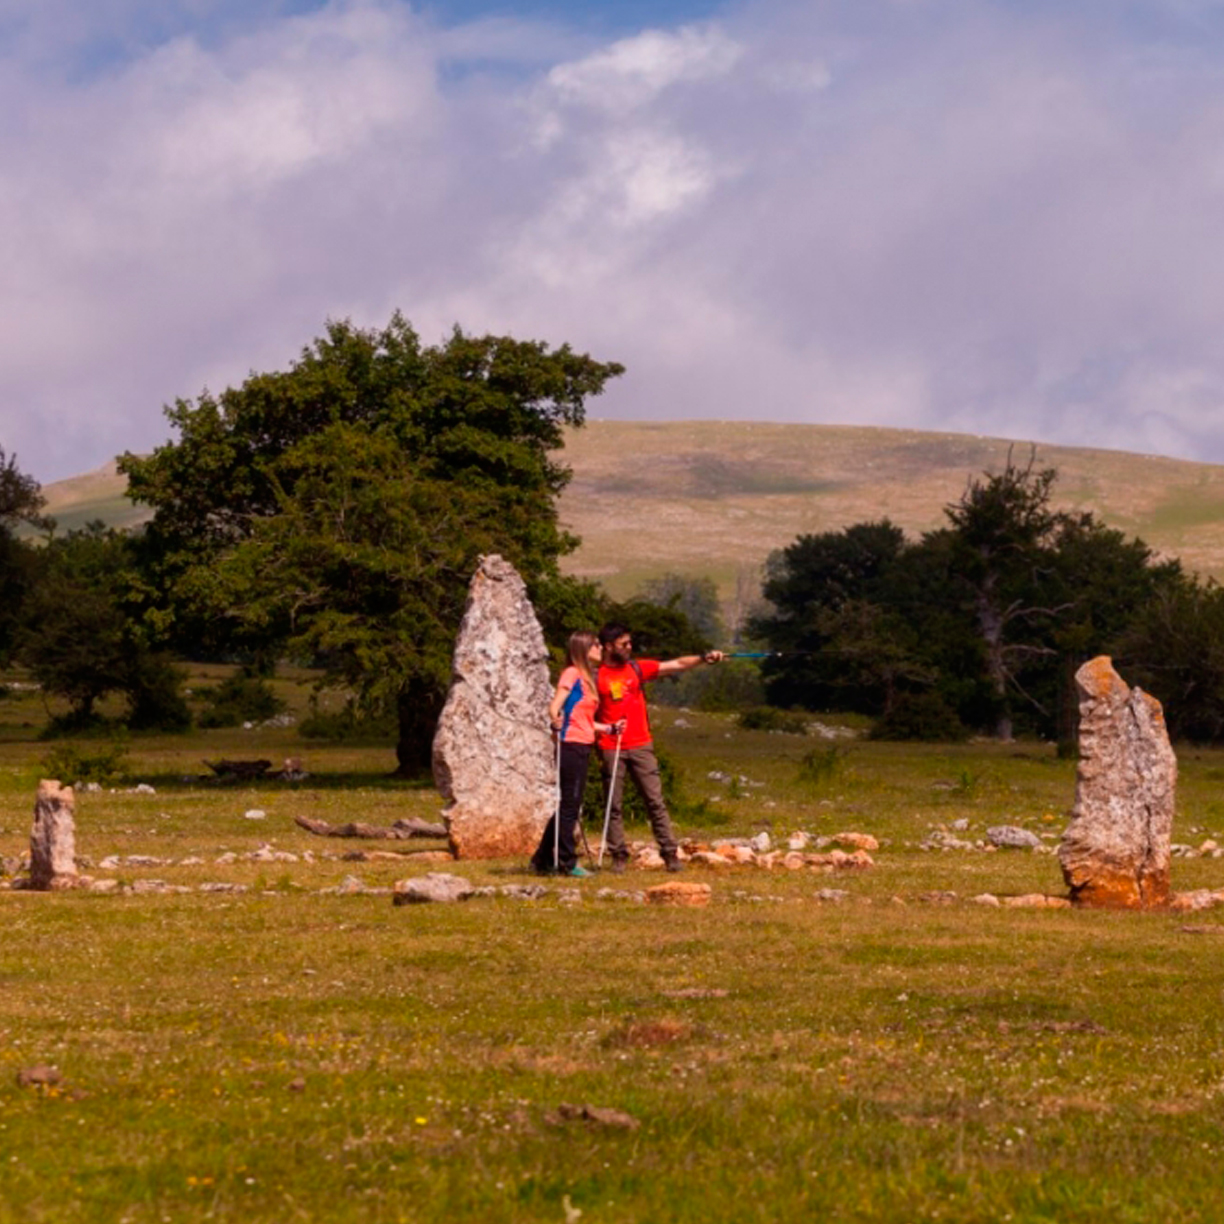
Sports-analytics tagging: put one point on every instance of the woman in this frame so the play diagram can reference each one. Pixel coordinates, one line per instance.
(572, 714)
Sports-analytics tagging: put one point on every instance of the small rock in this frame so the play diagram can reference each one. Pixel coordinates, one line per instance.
(959, 826)
(798, 841)
(986, 899)
(104, 886)
(833, 895)
(857, 841)
(221, 886)
(709, 858)
(599, 1116)
(39, 1076)
(678, 892)
(436, 886)
(255, 814)
(1036, 901)
(297, 1085)
(761, 843)
(569, 896)
(938, 897)
(1011, 837)
(525, 892)
(1199, 899)
(224, 860)
(142, 788)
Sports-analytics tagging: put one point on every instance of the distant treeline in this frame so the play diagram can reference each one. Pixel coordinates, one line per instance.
(981, 625)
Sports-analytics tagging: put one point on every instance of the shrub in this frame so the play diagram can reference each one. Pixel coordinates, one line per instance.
(240, 699)
(921, 716)
(341, 726)
(768, 718)
(734, 685)
(155, 696)
(822, 765)
(71, 764)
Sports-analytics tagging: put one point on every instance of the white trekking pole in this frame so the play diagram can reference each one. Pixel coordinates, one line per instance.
(603, 841)
(557, 814)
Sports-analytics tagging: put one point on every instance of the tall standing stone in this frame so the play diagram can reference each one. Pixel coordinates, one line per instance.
(492, 753)
(53, 838)
(1115, 852)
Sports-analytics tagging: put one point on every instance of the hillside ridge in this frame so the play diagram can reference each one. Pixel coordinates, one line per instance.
(716, 497)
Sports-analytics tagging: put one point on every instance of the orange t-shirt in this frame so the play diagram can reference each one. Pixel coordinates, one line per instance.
(621, 696)
(578, 709)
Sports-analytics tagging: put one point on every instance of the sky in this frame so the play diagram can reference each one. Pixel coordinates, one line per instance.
(987, 216)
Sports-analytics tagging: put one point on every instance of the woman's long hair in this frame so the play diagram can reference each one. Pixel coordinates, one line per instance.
(579, 648)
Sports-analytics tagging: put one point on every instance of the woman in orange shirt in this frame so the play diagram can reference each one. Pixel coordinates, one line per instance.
(572, 714)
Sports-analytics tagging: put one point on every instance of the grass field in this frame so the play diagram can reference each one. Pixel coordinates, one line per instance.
(288, 1054)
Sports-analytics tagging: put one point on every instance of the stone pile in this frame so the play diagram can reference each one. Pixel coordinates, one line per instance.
(758, 852)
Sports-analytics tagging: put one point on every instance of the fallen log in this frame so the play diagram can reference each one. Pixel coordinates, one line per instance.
(243, 770)
(401, 830)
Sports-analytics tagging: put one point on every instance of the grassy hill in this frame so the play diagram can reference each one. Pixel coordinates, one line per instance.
(715, 497)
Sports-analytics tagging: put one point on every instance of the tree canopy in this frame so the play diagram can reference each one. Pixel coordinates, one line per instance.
(985, 618)
(339, 507)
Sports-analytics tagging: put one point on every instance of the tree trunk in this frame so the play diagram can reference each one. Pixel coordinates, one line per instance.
(417, 708)
(990, 621)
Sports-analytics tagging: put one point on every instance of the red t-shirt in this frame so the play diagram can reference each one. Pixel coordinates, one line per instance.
(621, 696)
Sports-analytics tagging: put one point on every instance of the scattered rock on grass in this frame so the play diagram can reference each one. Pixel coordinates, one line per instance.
(436, 886)
(40, 1075)
(597, 1115)
(1011, 837)
(678, 892)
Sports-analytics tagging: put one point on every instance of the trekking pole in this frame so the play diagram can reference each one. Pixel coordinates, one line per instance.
(557, 814)
(586, 845)
(611, 791)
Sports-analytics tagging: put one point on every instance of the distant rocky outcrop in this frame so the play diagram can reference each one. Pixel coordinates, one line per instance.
(1115, 852)
(492, 753)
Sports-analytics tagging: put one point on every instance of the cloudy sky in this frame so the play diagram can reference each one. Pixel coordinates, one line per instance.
(995, 216)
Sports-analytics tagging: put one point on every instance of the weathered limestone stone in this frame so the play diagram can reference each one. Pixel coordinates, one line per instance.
(492, 753)
(1115, 852)
(53, 838)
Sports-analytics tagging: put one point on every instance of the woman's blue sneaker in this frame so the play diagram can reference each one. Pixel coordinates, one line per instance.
(577, 872)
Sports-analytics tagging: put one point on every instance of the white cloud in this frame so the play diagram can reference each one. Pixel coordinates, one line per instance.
(955, 214)
(633, 72)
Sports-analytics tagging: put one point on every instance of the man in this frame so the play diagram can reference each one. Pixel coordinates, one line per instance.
(622, 702)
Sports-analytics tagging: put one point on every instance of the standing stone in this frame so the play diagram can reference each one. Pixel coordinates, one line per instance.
(53, 838)
(492, 753)
(1115, 852)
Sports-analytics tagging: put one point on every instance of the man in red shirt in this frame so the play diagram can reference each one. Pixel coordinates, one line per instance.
(622, 701)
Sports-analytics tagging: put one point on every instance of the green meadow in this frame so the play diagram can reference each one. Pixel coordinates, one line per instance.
(285, 1053)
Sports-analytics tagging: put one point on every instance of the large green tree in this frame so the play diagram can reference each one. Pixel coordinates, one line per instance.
(340, 506)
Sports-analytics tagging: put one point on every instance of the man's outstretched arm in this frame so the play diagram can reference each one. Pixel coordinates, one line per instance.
(685, 662)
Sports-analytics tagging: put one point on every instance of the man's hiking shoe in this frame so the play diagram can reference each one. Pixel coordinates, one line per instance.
(576, 872)
(620, 866)
(673, 864)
